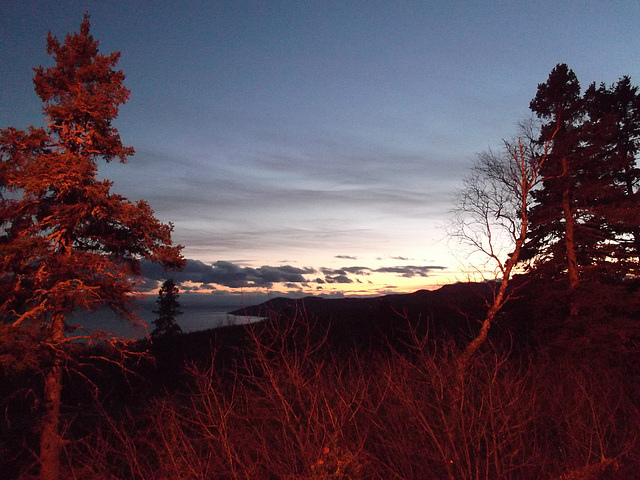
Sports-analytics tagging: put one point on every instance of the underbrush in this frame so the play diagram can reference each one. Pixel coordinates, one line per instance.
(288, 405)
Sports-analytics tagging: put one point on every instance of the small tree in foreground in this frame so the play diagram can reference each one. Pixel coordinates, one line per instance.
(168, 309)
(66, 241)
(491, 217)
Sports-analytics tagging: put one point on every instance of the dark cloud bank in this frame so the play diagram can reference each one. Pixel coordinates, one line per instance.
(230, 275)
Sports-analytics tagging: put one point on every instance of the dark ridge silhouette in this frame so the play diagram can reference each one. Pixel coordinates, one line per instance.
(459, 297)
(454, 311)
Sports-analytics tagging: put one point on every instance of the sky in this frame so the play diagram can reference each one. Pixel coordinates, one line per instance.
(316, 147)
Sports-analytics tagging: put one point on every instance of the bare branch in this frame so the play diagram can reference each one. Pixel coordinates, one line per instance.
(491, 218)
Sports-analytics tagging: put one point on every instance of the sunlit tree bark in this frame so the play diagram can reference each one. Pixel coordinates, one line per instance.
(492, 218)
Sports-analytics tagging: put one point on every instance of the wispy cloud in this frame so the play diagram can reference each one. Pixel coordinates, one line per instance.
(410, 271)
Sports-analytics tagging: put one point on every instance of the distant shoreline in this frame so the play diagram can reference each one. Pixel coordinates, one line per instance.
(192, 319)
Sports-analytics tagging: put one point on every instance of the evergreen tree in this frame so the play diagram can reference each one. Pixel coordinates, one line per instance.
(554, 239)
(66, 241)
(168, 309)
(585, 220)
(612, 138)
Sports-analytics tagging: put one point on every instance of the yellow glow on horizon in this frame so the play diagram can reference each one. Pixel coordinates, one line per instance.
(374, 284)
(369, 275)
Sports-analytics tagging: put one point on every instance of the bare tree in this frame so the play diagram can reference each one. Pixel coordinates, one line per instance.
(491, 218)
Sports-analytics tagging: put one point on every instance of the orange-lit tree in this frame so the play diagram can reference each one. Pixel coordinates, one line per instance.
(491, 217)
(66, 241)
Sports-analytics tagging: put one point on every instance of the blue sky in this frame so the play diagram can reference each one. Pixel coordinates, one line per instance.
(316, 146)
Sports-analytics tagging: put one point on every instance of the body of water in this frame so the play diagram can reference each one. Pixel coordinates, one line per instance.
(194, 318)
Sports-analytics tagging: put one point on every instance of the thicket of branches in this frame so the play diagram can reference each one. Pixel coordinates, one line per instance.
(289, 407)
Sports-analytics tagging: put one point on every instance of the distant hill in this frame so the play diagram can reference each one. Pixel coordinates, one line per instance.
(455, 310)
(447, 299)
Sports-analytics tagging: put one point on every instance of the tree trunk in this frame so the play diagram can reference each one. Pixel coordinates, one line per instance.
(50, 439)
(569, 240)
(464, 359)
(629, 182)
(525, 183)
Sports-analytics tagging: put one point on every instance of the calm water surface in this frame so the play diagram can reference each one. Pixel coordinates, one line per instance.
(195, 317)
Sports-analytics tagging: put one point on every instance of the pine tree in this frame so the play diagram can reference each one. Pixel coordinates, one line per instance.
(554, 236)
(585, 221)
(168, 309)
(586, 217)
(612, 138)
(66, 241)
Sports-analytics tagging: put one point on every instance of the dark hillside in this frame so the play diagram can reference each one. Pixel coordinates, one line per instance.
(454, 311)
(450, 301)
